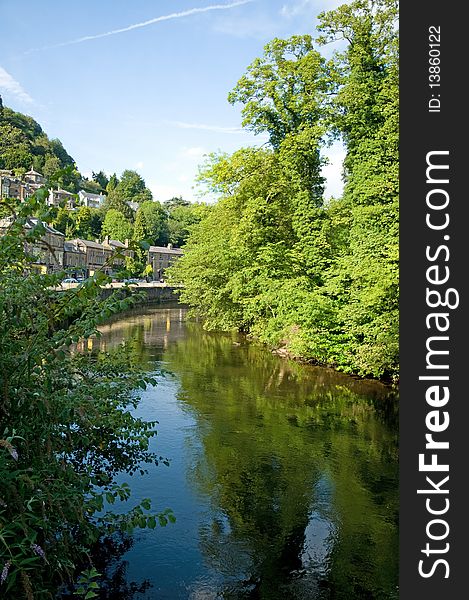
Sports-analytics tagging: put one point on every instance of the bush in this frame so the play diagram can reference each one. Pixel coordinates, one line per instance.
(66, 425)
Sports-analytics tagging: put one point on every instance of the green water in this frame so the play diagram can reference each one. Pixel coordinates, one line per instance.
(283, 477)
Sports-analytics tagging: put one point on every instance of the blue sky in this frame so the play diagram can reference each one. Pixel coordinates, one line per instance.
(142, 84)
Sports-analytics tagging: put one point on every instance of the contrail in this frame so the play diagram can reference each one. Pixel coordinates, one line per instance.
(9, 84)
(178, 15)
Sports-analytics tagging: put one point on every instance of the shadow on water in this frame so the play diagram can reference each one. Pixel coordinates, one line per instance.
(108, 560)
(284, 477)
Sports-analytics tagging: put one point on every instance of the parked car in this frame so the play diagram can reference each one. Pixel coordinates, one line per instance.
(70, 280)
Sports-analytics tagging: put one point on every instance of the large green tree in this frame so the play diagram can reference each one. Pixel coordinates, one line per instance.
(365, 111)
(116, 226)
(180, 220)
(282, 91)
(132, 187)
(271, 258)
(115, 200)
(155, 223)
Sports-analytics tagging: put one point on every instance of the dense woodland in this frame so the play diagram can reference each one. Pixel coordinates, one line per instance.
(273, 258)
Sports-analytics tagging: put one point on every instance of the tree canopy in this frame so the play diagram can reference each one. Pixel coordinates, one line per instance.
(116, 226)
(23, 144)
(271, 257)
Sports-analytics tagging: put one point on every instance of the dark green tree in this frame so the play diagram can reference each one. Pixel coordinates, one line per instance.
(132, 187)
(101, 179)
(115, 200)
(154, 222)
(24, 144)
(175, 202)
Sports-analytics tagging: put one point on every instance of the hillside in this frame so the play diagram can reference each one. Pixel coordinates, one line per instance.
(24, 143)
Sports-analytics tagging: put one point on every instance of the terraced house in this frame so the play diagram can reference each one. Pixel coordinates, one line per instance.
(48, 251)
(96, 255)
(161, 257)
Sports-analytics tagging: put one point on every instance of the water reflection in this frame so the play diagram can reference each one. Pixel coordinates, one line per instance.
(284, 476)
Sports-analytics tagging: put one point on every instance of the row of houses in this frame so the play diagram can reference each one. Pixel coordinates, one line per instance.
(83, 258)
(22, 188)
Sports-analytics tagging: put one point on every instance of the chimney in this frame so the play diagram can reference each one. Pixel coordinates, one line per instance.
(170, 246)
(106, 240)
(126, 242)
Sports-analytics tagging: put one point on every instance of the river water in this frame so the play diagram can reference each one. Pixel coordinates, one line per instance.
(283, 477)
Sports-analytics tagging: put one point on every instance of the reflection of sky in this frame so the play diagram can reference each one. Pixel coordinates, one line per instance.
(321, 531)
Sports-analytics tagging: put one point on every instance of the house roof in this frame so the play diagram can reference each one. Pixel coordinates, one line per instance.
(89, 243)
(59, 191)
(117, 243)
(33, 172)
(30, 223)
(33, 221)
(91, 196)
(70, 247)
(165, 250)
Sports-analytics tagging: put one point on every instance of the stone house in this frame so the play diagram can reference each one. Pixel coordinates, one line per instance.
(97, 256)
(14, 187)
(11, 186)
(75, 259)
(33, 177)
(122, 249)
(48, 251)
(161, 257)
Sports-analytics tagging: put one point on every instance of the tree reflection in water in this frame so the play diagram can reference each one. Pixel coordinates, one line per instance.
(300, 467)
(297, 464)
(107, 558)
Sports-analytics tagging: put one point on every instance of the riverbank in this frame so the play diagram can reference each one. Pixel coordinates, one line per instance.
(283, 352)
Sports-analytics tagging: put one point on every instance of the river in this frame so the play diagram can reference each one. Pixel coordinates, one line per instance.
(283, 477)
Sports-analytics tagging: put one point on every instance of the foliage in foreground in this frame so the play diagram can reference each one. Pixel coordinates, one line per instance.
(66, 426)
(272, 258)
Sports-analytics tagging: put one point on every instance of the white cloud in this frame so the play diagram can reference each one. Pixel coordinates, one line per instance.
(178, 15)
(13, 87)
(295, 8)
(204, 127)
(139, 165)
(197, 152)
